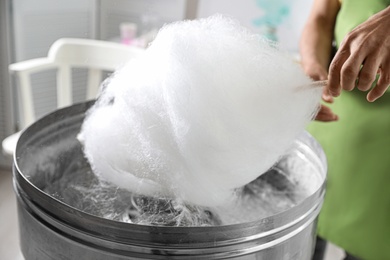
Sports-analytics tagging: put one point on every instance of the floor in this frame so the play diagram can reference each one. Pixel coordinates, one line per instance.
(9, 244)
(9, 241)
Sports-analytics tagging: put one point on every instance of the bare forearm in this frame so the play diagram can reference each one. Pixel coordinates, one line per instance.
(317, 35)
(316, 44)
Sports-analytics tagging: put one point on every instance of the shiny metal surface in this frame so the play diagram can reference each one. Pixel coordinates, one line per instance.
(50, 229)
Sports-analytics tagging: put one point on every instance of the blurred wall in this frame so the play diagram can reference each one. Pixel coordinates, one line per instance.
(6, 123)
(280, 20)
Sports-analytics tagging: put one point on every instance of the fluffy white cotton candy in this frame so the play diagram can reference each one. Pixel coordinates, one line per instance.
(206, 109)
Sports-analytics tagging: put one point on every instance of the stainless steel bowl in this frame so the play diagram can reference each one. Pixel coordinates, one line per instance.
(51, 229)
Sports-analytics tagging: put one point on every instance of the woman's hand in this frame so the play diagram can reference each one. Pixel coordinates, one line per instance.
(368, 45)
(318, 72)
(325, 114)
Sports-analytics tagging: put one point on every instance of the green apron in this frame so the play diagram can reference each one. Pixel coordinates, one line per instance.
(356, 210)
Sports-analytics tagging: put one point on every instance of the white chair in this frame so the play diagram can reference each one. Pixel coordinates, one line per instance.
(65, 54)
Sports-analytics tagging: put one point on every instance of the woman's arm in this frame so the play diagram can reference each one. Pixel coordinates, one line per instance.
(317, 37)
(316, 47)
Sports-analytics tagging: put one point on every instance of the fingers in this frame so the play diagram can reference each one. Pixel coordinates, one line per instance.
(367, 74)
(381, 86)
(325, 114)
(346, 72)
(350, 72)
(319, 73)
(334, 86)
(368, 45)
(326, 96)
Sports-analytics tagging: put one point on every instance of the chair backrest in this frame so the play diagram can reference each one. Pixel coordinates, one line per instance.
(64, 55)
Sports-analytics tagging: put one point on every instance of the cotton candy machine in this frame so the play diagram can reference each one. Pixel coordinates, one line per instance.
(52, 226)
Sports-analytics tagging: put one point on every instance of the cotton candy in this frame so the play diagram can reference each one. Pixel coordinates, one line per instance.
(207, 108)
